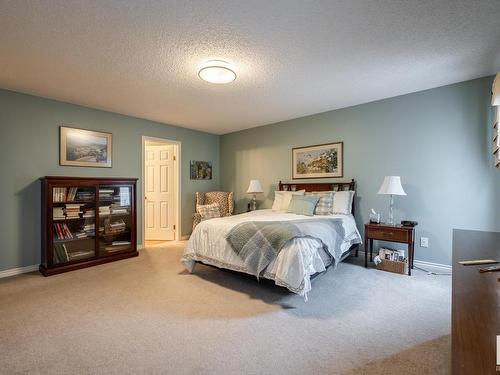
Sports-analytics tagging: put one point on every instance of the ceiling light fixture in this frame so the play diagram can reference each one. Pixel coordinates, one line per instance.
(218, 72)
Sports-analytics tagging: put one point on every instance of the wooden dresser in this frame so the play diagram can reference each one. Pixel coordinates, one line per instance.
(475, 304)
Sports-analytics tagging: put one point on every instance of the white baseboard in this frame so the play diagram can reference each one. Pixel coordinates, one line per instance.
(34, 267)
(186, 237)
(18, 271)
(427, 266)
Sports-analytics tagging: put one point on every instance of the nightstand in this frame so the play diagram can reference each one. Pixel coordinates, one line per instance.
(390, 233)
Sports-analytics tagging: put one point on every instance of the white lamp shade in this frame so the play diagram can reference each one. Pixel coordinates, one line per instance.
(255, 187)
(392, 185)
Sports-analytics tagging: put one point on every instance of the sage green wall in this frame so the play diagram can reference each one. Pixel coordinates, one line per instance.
(29, 149)
(438, 141)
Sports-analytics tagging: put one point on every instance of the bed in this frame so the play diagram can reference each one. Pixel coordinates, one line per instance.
(299, 260)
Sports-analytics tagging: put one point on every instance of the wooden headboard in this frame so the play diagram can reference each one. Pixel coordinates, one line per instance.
(320, 186)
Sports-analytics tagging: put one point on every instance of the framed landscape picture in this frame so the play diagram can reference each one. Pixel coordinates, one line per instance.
(201, 170)
(85, 148)
(318, 161)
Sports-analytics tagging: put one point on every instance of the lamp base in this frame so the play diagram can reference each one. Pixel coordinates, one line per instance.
(253, 203)
(391, 212)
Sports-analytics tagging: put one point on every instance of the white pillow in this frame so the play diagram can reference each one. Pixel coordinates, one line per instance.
(278, 200)
(282, 199)
(342, 202)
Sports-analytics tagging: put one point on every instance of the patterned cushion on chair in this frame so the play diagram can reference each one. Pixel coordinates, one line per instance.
(209, 211)
(223, 199)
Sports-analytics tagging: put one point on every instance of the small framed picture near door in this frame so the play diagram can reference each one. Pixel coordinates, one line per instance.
(85, 148)
(200, 170)
(318, 161)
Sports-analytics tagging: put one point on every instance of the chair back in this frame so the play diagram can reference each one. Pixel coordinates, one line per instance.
(223, 198)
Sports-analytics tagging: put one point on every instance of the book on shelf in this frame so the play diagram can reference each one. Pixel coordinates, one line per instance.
(73, 210)
(89, 213)
(62, 231)
(58, 213)
(89, 227)
(64, 194)
(59, 194)
(106, 194)
(118, 210)
(77, 255)
(71, 193)
(116, 227)
(84, 195)
(120, 243)
(81, 235)
(124, 196)
(104, 210)
(115, 248)
(60, 253)
(113, 210)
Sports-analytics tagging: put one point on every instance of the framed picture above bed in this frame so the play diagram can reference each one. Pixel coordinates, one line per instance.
(85, 148)
(318, 161)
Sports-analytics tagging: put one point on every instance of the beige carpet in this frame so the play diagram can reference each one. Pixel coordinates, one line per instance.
(147, 315)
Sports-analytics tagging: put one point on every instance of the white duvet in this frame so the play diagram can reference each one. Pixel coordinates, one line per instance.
(295, 263)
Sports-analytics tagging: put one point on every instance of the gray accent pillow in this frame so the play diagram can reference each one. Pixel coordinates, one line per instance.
(303, 205)
(325, 204)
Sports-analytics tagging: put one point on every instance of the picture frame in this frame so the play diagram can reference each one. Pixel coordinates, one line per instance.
(85, 148)
(318, 161)
(200, 170)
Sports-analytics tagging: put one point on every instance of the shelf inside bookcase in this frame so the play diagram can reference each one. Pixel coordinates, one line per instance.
(75, 239)
(92, 202)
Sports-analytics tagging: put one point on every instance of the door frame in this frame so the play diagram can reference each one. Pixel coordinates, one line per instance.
(178, 186)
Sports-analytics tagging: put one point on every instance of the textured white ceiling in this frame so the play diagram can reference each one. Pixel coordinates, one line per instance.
(293, 58)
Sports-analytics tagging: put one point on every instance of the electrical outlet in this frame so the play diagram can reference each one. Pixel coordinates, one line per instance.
(424, 242)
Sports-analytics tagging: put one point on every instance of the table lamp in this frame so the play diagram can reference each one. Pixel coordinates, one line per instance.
(254, 188)
(391, 186)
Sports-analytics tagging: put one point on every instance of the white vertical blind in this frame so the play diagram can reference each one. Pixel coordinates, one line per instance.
(495, 98)
(496, 138)
(495, 101)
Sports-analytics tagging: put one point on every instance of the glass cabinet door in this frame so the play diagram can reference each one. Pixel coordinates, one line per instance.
(73, 223)
(115, 219)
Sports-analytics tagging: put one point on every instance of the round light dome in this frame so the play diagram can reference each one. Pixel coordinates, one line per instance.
(217, 72)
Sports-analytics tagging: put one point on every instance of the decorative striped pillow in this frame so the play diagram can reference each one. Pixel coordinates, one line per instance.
(325, 204)
(208, 211)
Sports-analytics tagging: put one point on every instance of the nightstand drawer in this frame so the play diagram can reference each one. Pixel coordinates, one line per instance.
(388, 234)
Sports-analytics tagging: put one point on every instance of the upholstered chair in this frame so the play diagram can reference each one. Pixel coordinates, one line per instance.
(222, 198)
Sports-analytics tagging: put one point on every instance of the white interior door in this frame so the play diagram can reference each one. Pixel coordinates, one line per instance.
(159, 192)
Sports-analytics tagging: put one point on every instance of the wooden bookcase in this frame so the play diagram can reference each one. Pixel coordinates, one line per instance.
(87, 221)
